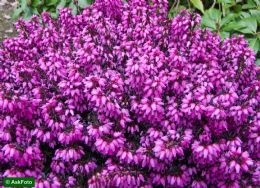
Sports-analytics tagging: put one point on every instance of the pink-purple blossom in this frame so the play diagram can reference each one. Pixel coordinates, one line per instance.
(122, 96)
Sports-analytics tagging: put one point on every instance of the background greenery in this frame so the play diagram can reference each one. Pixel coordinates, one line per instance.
(226, 17)
(26, 8)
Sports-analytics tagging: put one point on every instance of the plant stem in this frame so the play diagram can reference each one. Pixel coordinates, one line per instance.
(188, 1)
(213, 5)
(177, 5)
(223, 9)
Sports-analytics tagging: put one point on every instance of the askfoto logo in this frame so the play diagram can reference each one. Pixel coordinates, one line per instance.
(19, 182)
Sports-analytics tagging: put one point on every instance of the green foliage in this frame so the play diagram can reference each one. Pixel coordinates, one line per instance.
(27, 8)
(198, 4)
(230, 17)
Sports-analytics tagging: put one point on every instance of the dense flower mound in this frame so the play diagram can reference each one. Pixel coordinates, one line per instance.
(122, 96)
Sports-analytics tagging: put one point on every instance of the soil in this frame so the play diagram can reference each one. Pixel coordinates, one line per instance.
(6, 22)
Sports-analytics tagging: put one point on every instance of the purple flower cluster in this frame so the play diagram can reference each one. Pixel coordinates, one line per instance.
(122, 96)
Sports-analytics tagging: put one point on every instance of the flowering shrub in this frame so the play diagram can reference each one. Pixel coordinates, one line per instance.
(122, 96)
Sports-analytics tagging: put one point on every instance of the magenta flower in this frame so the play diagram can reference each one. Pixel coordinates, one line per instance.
(122, 96)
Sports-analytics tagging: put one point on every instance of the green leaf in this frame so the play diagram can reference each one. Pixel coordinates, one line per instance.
(224, 34)
(29, 2)
(84, 3)
(173, 11)
(52, 10)
(214, 14)
(249, 4)
(237, 8)
(36, 3)
(24, 5)
(198, 4)
(45, 8)
(249, 24)
(51, 2)
(258, 61)
(211, 18)
(208, 23)
(35, 11)
(232, 26)
(255, 12)
(254, 43)
(54, 14)
(227, 4)
(227, 19)
(27, 13)
(245, 26)
(225, 1)
(17, 13)
(61, 4)
(74, 8)
(245, 15)
(257, 2)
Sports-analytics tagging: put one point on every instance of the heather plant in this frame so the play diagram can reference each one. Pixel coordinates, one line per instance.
(122, 96)
(227, 17)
